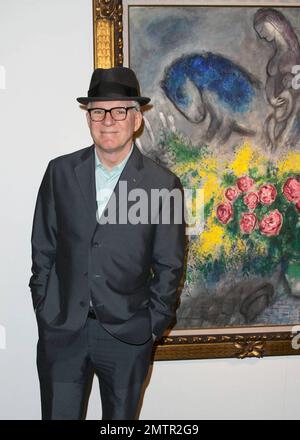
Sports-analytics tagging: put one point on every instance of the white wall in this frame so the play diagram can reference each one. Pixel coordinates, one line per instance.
(46, 50)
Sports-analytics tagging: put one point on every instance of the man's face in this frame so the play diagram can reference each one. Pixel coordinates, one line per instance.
(110, 135)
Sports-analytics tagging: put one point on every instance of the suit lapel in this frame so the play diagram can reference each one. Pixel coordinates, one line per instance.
(85, 173)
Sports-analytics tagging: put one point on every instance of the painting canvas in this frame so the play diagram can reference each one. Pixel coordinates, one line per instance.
(225, 117)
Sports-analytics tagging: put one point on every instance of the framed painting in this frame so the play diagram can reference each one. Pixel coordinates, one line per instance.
(224, 82)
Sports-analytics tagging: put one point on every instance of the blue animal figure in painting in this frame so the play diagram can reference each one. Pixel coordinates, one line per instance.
(207, 85)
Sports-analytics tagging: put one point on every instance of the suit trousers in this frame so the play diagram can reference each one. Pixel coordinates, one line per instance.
(67, 361)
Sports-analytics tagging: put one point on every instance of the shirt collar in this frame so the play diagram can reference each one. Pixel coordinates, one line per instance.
(118, 167)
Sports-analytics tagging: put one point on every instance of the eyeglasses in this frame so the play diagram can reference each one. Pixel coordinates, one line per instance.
(117, 113)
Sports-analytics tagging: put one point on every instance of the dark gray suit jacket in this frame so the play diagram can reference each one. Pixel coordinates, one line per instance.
(131, 272)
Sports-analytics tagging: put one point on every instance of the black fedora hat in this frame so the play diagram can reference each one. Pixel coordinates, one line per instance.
(115, 84)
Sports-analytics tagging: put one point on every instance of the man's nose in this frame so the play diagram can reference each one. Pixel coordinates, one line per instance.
(108, 120)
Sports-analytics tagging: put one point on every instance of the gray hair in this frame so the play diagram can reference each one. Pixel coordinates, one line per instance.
(137, 105)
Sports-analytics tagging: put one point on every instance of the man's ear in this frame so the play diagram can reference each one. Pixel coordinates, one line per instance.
(138, 118)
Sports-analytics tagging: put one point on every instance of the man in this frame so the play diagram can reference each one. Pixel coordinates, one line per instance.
(103, 288)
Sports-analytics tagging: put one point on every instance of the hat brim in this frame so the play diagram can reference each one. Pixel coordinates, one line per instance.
(140, 99)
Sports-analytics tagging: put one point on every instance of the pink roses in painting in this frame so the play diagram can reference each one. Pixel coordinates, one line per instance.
(265, 195)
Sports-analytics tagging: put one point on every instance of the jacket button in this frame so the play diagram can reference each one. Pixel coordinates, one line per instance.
(96, 244)
(82, 303)
(97, 275)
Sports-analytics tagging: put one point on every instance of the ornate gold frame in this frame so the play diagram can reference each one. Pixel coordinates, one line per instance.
(237, 345)
(268, 341)
(108, 33)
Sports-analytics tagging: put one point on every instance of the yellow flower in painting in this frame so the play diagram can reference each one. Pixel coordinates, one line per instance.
(210, 240)
(289, 164)
(206, 177)
(211, 186)
(181, 170)
(247, 157)
(242, 160)
(209, 165)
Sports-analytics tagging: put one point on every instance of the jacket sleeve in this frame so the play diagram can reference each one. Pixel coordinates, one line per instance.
(43, 237)
(167, 264)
